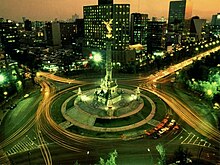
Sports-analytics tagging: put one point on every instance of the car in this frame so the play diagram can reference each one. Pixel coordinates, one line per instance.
(163, 130)
(172, 123)
(155, 135)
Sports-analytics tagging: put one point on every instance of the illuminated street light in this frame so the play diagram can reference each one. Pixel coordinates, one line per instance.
(209, 92)
(2, 78)
(150, 155)
(97, 57)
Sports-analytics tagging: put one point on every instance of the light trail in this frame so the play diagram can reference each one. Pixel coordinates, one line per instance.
(57, 78)
(194, 120)
(48, 92)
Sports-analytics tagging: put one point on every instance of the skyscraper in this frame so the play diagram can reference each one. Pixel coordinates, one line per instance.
(215, 20)
(156, 36)
(139, 28)
(9, 36)
(179, 11)
(95, 30)
(60, 33)
(27, 25)
(196, 26)
(215, 25)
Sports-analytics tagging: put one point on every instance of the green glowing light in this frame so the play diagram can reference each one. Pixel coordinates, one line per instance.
(209, 92)
(97, 57)
(2, 78)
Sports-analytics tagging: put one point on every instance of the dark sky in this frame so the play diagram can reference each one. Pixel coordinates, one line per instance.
(63, 9)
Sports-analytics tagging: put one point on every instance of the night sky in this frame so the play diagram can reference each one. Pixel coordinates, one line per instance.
(46, 10)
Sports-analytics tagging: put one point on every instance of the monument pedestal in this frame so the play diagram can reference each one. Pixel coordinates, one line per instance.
(108, 93)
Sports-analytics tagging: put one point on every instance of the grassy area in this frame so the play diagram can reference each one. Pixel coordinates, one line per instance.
(194, 101)
(133, 132)
(161, 107)
(111, 123)
(56, 108)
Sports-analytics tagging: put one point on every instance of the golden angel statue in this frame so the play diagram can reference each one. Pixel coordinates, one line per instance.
(109, 28)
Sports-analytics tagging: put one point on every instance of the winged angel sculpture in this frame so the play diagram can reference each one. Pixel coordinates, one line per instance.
(109, 28)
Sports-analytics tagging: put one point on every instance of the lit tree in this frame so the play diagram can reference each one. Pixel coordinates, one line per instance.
(112, 159)
(161, 150)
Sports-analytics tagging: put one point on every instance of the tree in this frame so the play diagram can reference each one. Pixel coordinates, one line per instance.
(76, 163)
(160, 148)
(112, 159)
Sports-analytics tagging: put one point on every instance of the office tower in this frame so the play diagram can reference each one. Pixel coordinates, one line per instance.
(27, 25)
(53, 36)
(215, 25)
(196, 26)
(215, 20)
(60, 33)
(95, 30)
(138, 28)
(179, 11)
(9, 36)
(67, 32)
(156, 36)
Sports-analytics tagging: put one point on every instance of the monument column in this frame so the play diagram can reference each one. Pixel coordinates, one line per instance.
(108, 61)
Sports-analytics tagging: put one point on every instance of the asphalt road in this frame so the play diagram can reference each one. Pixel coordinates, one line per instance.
(200, 137)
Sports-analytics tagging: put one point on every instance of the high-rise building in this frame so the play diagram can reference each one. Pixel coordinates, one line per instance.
(215, 25)
(67, 32)
(179, 11)
(53, 36)
(156, 36)
(215, 20)
(138, 28)
(60, 33)
(27, 25)
(196, 26)
(95, 30)
(9, 36)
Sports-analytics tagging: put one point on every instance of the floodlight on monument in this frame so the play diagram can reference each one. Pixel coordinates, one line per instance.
(97, 57)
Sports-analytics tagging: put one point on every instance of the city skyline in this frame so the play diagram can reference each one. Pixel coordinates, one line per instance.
(45, 10)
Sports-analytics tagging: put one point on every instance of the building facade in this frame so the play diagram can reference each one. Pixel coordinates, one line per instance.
(215, 25)
(60, 33)
(156, 36)
(9, 36)
(138, 29)
(179, 11)
(95, 30)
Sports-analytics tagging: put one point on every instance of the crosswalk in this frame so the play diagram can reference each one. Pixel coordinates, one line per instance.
(26, 144)
(195, 140)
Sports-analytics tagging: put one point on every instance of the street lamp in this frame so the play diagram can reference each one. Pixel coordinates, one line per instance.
(148, 149)
(2, 78)
(97, 57)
